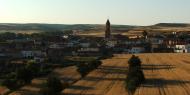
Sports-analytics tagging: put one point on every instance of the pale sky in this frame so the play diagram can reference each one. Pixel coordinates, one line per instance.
(128, 12)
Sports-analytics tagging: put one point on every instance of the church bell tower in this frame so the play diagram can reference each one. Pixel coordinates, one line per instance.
(108, 30)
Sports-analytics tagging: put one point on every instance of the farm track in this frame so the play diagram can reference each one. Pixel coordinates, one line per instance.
(166, 74)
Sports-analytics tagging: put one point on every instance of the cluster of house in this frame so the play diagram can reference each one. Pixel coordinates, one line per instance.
(90, 46)
(170, 44)
(56, 47)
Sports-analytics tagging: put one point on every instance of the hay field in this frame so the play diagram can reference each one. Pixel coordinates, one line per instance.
(166, 74)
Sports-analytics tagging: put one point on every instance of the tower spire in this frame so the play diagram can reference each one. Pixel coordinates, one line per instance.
(108, 30)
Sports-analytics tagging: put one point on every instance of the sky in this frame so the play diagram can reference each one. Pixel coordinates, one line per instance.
(126, 12)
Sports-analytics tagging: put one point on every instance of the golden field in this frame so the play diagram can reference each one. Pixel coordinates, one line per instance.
(166, 74)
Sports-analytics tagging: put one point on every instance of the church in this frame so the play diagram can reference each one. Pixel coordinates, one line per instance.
(108, 30)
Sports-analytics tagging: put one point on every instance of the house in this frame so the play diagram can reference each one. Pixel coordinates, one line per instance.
(56, 46)
(111, 43)
(88, 52)
(134, 41)
(135, 50)
(180, 49)
(27, 54)
(178, 45)
(32, 53)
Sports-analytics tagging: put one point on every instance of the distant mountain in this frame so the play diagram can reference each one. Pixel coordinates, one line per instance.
(58, 27)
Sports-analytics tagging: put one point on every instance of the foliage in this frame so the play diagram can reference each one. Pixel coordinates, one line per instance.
(85, 68)
(53, 86)
(12, 84)
(24, 75)
(135, 75)
(134, 61)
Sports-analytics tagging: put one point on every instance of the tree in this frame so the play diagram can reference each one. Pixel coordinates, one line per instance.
(10, 84)
(53, 86)
(83, 69)
(135, 75)
(134, 61)
(145, 34)
(24, 75)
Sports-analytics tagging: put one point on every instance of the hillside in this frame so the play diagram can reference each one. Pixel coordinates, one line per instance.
(166, 74)
(172, 25)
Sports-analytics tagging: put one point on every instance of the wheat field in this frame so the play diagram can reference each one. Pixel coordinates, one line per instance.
(166, 74)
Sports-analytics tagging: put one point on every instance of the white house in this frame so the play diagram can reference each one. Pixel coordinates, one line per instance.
(32, 53)
(27, 54)
(111, 44)
(180, 49)
(135, 50)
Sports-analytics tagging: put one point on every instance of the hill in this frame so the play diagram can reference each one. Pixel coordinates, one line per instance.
(172, 25)
(8, 27)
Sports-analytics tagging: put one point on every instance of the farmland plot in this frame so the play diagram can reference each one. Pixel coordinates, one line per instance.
(166, 74)
(68, 74)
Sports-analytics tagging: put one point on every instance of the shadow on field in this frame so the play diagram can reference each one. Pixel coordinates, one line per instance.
(68, 79)
(162, 82)
(78, 87)
(187, 62)
(157, 67)
(113, 70)
(102, 79)
(77, 94)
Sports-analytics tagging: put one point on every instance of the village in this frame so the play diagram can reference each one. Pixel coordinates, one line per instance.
(57, 46)
(55, 49)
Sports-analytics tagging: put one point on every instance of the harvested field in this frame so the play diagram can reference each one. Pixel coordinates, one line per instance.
(166, 74)
(68, 74)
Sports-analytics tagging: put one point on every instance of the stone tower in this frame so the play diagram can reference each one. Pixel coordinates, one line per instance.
(108, 30)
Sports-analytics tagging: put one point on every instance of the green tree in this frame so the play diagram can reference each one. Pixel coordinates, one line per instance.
(24, 75)
(135, 75)
(53, 86)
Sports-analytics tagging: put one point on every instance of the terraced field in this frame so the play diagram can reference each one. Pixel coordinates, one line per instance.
(166, 74)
